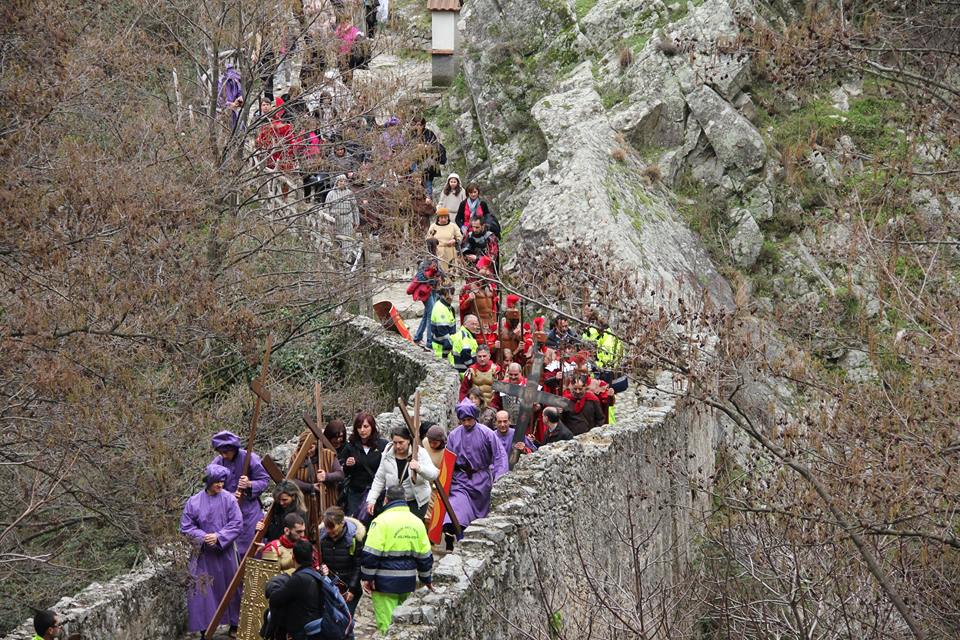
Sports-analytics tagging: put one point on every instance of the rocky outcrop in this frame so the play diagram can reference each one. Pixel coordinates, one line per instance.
(736, 142)
(590, 189)
(663, 94)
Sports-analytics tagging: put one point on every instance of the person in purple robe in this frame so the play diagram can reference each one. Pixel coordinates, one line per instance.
(211, 521)
(505, 435)
(230, 94)
(480, 461)
(246, 489)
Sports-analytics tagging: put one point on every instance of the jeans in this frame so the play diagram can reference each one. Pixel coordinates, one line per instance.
(425, 322)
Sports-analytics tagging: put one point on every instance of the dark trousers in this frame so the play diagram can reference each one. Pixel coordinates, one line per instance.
(371, 20)
(314, 183)
(416, 509)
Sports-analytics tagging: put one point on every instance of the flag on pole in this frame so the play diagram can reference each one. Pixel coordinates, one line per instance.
(437, 508)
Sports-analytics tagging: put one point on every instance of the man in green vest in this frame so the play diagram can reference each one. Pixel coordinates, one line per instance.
(47, 625)
(464, 344)
(443, 323)
(608, 346)
(396, 553)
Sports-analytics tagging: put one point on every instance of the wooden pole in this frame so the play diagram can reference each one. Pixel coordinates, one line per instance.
(259, 390)
(323, 457)
(413, 423)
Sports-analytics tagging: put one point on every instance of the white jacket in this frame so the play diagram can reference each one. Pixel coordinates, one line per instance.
(387, 477)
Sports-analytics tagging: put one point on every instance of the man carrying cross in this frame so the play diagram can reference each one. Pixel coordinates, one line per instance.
(246, 488)
(530, 395)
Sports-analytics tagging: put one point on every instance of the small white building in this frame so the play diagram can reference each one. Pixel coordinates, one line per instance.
(444, 15)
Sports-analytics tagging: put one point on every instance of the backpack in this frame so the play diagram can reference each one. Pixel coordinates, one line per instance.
(441, 153)
(336, 623)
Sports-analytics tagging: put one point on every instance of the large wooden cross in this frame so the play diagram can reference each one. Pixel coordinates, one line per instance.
(529, 395)
(259, 388)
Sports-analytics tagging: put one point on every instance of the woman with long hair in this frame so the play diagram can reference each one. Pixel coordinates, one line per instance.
(360, 459)
(287, 498)
(453, 194)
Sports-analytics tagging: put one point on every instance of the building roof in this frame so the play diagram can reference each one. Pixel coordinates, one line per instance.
(443, 5)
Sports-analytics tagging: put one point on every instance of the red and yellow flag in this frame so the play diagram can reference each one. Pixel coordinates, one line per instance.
(437, 510)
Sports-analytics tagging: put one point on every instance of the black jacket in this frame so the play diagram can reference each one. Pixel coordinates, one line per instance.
(297, 602)
(490, 220)
(360, 476)
(554, 339)
(559, 434)
(485, 245)
(590, 417)
(275, 526)
(342, 557)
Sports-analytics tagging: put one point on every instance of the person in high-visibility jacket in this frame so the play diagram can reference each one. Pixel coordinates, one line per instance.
(464, 344)
(609, 347)
(396, 553)
(443, 323)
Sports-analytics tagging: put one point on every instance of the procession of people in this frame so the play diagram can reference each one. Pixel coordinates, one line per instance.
(359, 513)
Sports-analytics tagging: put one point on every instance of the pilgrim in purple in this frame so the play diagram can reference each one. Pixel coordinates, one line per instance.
(480, 461)
(259, 479)
(213, 561)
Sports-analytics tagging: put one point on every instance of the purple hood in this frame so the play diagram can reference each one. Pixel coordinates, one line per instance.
(215, 473)
(467, 409)
(225, 439)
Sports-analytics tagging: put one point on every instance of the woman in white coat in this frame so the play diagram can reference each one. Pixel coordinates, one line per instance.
(396, 463)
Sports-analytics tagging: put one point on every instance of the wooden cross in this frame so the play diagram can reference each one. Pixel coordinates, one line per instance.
(259, 388)
(413, 423)
(327, 495)
(529, 395)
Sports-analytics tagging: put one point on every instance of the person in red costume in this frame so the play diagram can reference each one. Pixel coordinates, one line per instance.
(276, 137)
(605, 395)
(481, 374)
(479, 297)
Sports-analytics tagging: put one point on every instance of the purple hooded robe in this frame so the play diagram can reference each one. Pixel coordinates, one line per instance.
(480, 461)
(211, 567)
(506, 441)
(229, 90)
(259, 479)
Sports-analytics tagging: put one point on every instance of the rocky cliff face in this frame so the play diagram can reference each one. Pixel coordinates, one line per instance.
(588, 111)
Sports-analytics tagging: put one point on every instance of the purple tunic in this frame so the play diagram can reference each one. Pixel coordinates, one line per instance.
(506, 441)
(479, 450)
(229, 90)
(211, 567)
(249, 501)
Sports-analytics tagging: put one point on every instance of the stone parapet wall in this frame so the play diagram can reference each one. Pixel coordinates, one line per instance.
(148, 603)
(519, 567)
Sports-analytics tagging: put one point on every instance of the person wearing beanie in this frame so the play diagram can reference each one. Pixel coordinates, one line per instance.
(480, 461)
(212, 522)
(448, 237)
